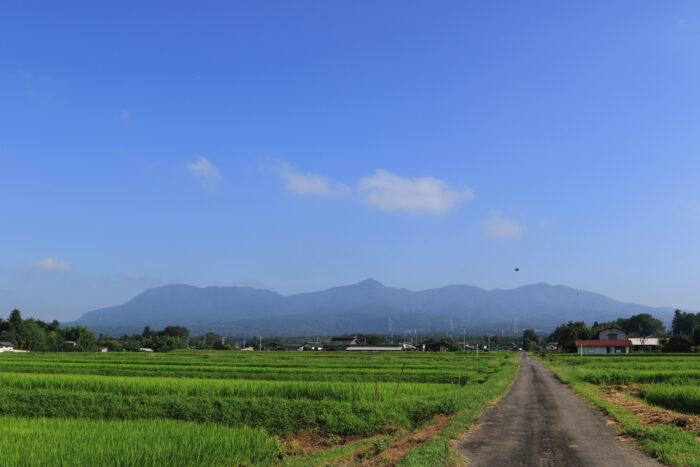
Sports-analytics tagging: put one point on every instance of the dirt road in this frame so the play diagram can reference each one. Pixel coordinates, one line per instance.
(541, 422)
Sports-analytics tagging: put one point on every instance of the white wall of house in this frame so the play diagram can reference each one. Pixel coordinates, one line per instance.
(612, 334)
(604, 349)
(595, 350)
(644, 341)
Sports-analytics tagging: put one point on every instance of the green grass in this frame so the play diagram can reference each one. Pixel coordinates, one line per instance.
(679, 398)
(589, 376)
(69, 442)
(95, 403)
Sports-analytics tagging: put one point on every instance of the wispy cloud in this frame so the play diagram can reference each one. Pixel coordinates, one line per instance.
(207, 173)
(51, 265)
(123, 115)
(309, 184)
(424, 195)
(133, 275)
(497, 226)
(681, 23)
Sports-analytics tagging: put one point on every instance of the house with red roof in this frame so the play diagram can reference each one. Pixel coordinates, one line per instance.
(609, 340)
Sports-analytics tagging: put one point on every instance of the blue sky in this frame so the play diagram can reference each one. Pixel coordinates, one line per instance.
(302, 145)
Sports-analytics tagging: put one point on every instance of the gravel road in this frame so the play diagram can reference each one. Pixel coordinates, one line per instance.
(540, 422)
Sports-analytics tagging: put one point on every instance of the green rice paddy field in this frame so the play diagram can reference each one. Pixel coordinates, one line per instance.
(228, 407)
(621, 385)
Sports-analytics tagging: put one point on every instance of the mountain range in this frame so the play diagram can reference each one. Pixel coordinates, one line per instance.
(365, 307)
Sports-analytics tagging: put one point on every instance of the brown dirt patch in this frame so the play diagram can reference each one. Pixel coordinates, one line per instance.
(400, 447)
(307, 441)
(647, 414)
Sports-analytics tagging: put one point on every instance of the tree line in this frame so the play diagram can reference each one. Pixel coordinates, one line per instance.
(685, 331)
(38, 336)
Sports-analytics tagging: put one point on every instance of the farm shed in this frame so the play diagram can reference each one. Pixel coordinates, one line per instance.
(375, 348)
(436, 346)
(7, 347)
(641, 342)
(313, 346)
(604, 346)
(341, 343)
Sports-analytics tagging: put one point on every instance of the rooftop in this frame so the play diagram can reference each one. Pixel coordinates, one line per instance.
(605, 343)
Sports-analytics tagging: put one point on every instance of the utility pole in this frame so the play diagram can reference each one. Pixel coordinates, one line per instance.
(260, 347)
(464, 339)
(391, 333)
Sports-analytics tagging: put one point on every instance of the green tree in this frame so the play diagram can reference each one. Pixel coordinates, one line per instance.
(211, 338)
(680, 343)
(643, 324)
(531, 341)
(86, 341)
(684, 323)
(176, 331)
(34, 337)
(567, 334)
(54, 341)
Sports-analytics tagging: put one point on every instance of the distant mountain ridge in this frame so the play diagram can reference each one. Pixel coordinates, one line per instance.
(367, 307)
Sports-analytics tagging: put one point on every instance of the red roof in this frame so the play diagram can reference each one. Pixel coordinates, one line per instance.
(605, 343)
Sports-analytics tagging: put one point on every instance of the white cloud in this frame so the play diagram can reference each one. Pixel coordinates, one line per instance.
(52, 265)
(390, 192)
(133, 275)
(123, 115)
(207, 173)
(497, 226)
(307, 184)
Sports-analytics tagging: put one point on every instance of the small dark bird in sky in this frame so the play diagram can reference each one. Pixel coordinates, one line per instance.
(517, 269)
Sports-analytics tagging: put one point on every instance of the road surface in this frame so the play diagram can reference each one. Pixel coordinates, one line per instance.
(540, 422)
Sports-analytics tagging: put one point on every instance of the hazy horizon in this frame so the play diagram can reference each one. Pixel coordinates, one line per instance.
(301, 146)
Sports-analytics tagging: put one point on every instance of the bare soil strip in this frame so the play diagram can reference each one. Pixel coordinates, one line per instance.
(648, 414)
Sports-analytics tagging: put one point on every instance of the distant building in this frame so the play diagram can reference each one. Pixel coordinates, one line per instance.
(341, 343)
(381, 348)
(551, 346)
(145, 349)
(294, 347)
(313, 346)
(7, 347)
(640, 342)
(610, 340)
(612, 334)
(436, 346)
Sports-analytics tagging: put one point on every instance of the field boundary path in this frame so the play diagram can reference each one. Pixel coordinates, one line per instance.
(540, 422)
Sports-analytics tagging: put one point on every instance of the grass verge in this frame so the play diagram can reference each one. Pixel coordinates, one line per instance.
(672, 445)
